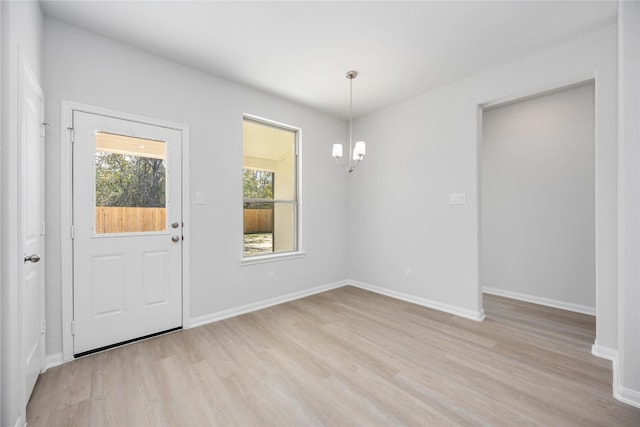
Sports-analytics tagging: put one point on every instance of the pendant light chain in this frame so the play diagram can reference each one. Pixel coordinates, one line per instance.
(350, 120)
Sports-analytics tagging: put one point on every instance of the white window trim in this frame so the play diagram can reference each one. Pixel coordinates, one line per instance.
(299, 252)
(263, 259)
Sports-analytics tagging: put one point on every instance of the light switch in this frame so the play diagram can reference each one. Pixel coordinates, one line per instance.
(457, 198)
(199, 198)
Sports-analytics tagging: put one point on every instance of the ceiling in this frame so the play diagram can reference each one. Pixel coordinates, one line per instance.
(300, 50)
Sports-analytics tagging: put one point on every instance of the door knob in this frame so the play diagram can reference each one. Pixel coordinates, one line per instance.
(32, 258)
(173, 239)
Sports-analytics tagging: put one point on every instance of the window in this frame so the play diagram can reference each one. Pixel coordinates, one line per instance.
(129, 184)
(269, 188)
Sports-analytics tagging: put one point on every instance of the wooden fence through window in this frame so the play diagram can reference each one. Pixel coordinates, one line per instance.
(110, 219)
(258, 221)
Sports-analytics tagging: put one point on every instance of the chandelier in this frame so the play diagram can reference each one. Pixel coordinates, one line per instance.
(357, 152)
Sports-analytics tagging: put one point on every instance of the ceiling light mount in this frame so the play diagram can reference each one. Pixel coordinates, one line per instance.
(356, 154)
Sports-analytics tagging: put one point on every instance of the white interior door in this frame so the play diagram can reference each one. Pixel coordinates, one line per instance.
(32, 226)
(127, 230)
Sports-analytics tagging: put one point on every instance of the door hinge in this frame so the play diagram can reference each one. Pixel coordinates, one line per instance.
(43, 327)
(73, 232)
(43, 128)
(73, 328)
(42, 229)
(71, 135)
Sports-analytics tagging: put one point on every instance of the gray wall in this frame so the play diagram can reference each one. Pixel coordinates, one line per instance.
(538, 199)
(421, 150)
(90, 69)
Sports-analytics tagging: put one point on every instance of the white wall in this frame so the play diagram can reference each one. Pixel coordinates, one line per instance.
(90, 69)
(423, 149)
(627, 386)
(21, 35)
(538, 199)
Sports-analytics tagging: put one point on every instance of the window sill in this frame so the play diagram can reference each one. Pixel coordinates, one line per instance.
(261, 259)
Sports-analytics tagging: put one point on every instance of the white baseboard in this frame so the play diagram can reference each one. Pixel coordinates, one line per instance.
(604, 352)
(225, 314)
(577, 308)
(478, 316)
(53, 360)
(623, 394)
(626, 395)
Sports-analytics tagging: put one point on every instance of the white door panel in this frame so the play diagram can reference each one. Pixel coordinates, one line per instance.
(127, 266)
(32, 227)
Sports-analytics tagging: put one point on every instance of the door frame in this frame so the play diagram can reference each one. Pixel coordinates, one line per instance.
(525, 94)
(66, 184)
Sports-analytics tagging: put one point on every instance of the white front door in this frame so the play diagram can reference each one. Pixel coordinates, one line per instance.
(127, 230)
(32, 229)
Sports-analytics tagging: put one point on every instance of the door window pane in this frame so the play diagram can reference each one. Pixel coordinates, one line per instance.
(130, 192)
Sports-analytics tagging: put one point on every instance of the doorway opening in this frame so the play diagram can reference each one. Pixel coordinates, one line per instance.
(537, 205)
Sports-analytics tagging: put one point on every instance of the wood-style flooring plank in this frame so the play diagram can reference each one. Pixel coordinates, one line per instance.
(346, 357)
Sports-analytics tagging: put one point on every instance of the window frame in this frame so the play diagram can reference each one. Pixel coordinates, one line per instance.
(102, 235)
(297, 252)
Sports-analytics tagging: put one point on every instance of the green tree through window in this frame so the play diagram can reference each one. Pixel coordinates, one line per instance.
(257, 184)
(129, 181)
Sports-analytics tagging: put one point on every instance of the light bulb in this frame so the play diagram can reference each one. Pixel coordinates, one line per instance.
(337, 151)
(359, 150)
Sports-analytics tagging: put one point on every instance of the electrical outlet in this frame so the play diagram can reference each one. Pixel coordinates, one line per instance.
(409, 273)
(272, 276)
(458, 199)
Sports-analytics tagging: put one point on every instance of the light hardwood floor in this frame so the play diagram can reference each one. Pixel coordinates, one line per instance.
(346, 357)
